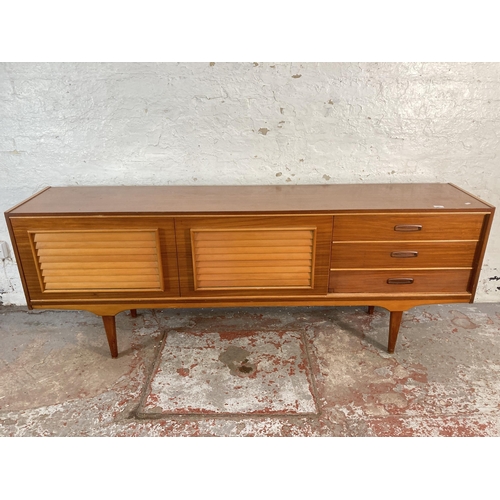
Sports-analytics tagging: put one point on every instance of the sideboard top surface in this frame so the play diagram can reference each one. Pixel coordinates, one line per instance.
(247, 199)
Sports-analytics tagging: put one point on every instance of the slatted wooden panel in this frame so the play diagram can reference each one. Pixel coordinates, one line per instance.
(97, 260)
(253, 258)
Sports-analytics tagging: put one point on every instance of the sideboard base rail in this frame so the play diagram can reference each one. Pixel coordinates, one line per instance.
(395, 308)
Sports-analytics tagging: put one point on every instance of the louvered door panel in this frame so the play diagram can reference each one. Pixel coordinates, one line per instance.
(97, 261)
(253, 258)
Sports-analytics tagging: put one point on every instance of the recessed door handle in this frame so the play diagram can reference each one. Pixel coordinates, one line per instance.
(405, 254)
(408, 227)
(400, 281)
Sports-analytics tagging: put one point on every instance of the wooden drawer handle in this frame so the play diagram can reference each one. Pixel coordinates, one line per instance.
(400, 281)
(404, 255)
(408, 227)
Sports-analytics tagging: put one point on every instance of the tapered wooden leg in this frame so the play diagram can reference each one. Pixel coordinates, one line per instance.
(110, 327)
(371, 309)
(133, 313)
(394, 325)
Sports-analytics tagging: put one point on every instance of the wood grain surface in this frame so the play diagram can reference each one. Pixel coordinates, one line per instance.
(248, 199)
(253, 258)
(253, 255)
(375, 281)
(96, 257)
(384, 254)
(129, 260)
(381, 227)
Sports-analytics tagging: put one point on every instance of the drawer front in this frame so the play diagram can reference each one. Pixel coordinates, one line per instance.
(400, 281)
(403, 254)
(405, 227)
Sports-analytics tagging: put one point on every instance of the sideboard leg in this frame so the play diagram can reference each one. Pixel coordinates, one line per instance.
(371, 309)
(394, 325)
(110, 327)
(133, 313)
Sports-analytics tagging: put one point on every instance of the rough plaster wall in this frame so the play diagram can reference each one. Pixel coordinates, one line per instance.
(249, 123)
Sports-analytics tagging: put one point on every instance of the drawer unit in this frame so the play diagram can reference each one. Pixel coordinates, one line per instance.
(111, 248)
(405, 253)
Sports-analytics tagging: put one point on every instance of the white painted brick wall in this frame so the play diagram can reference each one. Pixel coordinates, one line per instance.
(249, 123)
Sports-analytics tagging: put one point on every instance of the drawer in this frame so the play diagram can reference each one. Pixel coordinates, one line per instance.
(428, 226)
(399, 281)
(403, 254)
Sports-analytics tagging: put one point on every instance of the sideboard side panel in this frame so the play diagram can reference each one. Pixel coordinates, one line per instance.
(479, 255)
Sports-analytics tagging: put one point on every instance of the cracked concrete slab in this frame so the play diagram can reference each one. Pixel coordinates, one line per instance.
(221, 372)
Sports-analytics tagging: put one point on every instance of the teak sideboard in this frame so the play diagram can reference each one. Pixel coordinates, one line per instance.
(109, 249)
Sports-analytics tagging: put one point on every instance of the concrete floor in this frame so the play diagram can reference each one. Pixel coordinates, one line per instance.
(252, 372)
